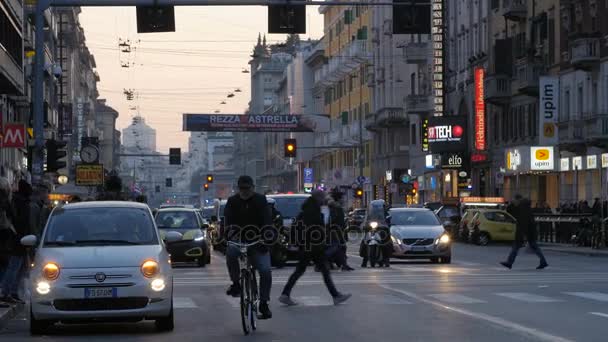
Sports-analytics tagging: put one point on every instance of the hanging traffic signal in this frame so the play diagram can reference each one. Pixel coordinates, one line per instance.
(155, 19)
(55, 151)
(414, 18)
(169, 182)
(209, 179)
(206, 187)
(287, 19)
(175, 156)
(358, 193)
(291, 148)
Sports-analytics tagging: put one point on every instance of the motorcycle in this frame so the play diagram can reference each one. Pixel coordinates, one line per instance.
(373, 242)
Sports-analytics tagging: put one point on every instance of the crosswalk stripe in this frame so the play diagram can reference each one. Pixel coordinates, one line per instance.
(601, 314)
(384, 299)
(184, 303)
(233, 302)
(599, 296)
(312, 301)
(528, 297)
(454, 298)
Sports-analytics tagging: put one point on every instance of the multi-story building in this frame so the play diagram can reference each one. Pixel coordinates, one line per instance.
(13, 89)
(109, 147)
(220, 151)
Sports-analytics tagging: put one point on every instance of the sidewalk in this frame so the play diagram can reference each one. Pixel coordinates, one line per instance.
(569, 249)
(8, 313)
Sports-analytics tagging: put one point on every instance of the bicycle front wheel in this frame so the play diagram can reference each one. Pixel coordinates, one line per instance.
(253, 294)
(246, 306)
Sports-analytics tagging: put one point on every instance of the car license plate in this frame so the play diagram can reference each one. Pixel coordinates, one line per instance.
(418, 249)
(101, 292)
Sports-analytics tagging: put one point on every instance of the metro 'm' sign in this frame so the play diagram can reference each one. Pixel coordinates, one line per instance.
(13, 136)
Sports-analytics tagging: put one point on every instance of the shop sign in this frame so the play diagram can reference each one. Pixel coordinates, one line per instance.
(428, 161)
(480, 111)
(479, 157)
(605, 160)
(541, 158)
(577, 163)
(591, 162)
(452, 161)
(389, 175)
(549, 107)
(564, 164)
(513, 159)
(447, 134)
(89, 175)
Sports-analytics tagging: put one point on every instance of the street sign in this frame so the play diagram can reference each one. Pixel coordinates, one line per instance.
(308, 177)
(255, 123)
(361, 180)
(14, 136)
(89, 175)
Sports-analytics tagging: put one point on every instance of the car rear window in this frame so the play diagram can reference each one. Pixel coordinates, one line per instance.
(176, 220)
(104, 226)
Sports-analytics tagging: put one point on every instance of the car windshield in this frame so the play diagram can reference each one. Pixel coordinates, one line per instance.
(289, 207)
(414, 218)
(207, 212)
(176, 220)
(100, 226)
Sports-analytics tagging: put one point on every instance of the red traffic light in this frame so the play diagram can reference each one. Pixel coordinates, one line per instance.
(206, 186)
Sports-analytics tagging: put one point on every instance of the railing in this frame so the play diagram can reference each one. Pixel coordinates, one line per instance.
(585, 50)
(416, 53)
(498, 88)
(527, 75)
(581, 230)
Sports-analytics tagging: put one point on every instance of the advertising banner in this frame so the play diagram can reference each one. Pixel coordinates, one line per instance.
(453, 161)
(447, 134)
(542, 158)
(480, 111)
(255, 123)
(89, 175)
(549, 109)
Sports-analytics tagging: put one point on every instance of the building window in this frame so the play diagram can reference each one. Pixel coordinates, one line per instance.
(579, 100)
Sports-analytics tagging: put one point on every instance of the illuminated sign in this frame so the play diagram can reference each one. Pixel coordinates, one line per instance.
(447, 134)
(480, 111)
(496, 200)
(452, 161)
(591, 162)
(564, 164)
(541, 158)
(89, 175)
(513, 159)
(438, 61)
(549, 107)
(479, 157)
(577, 163)
(429, 162)
(424, 135)
(605, 160)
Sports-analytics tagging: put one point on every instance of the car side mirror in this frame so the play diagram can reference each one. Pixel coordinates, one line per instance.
(213, 218)
(388, 219)
(171, 237)
(29, 241)
(204, 226)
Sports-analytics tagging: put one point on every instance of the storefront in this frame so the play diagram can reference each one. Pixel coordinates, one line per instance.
(583, 178)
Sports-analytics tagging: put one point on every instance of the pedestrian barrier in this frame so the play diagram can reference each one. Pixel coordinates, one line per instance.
(582, 230)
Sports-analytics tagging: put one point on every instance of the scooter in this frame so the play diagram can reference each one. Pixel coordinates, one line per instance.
(373, 241)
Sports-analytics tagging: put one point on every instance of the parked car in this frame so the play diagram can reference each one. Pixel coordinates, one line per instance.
(418, 233)
(489, 225)
(100, 261)
(194, 245)
(355, 218)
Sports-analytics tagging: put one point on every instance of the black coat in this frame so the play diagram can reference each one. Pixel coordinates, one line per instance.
(337, 225)
(310, 230)
(245, 220)
(526, 226)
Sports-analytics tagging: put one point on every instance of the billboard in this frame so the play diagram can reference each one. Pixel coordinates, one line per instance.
(447, 134)
(549, 109)
(89, 175)
(480, 111)
(255, 123)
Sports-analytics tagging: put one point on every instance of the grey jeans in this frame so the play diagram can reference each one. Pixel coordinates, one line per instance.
(259, 260)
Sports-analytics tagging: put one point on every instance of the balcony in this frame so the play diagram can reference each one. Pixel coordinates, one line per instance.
(497, 89)
(419, 104)
(515, 10)
(596, 130)
(391, 117)
(585, 52)
(11, 75)
(527, 73)
(358, 52)
(417, 53)
(370, 123)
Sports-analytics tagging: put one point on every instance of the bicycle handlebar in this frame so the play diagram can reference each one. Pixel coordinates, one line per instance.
(243, 245)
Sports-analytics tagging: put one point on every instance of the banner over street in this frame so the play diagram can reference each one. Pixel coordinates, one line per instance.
(255, 123)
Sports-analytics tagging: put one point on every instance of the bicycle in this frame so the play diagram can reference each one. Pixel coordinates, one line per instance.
(249, 288)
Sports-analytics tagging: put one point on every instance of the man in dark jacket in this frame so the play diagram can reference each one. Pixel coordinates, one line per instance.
(22, 223)
(338, 235)
(247, 219)
(312, 235)
(7, 231)
(526, 227)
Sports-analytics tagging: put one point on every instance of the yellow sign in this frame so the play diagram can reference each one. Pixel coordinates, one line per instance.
(549, 130)
(542, 154)
(89, 175)
(30, 132)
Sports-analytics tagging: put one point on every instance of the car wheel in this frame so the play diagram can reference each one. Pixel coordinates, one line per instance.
(434, 260)
(446, 260)
(483, 239)
(38, 327)
(166, 323)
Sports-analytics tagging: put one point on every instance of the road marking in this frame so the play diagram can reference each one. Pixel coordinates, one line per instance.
(516, 327)
(455, 298)
(184, 303)
(601, 297)
(233, 302)
(384, 299)
(312, 301)
(528, 297)
(601, 314)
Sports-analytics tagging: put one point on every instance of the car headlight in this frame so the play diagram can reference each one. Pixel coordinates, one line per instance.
(43, 288)
(202, 236)
(158, 285)
(50, 271)
(444, 239)
(373, 224)
(150, 268)
(396, 240)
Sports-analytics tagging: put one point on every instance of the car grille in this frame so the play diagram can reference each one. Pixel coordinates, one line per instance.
(418, 242)
(98, 304)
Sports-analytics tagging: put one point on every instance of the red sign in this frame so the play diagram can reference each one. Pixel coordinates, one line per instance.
(479, 157)
(480, 111)
(14, 135)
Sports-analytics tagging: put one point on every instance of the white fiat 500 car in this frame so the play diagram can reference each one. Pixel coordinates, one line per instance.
(101, 261)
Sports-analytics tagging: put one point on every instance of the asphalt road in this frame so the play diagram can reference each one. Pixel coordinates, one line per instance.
(473, 299)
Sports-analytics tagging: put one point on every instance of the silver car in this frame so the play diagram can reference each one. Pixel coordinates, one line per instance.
(417, 233)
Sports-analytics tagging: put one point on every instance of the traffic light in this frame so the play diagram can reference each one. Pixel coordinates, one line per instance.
(287, 19)
(169, 182)
(358, 193)
(155, 19)
(412, 19)
(206, 187)
(175, 156)
(291, 148)
(209, 179)
(157, 188)
(55, 150)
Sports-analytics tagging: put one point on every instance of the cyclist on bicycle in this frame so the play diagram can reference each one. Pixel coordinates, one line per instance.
(247, 215)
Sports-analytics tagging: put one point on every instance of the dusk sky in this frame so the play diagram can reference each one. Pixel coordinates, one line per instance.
(191, 70)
